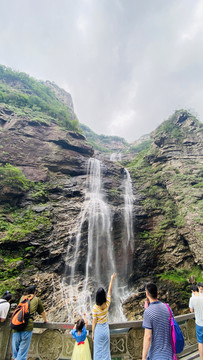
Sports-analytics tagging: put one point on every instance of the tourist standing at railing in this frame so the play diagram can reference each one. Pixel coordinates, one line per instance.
(194, 289)
(5, 305)
(200, 287)
(157, 337)
(100, 327)
(21, 339)
(196, 306)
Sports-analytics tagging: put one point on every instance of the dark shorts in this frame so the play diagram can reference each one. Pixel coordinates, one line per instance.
(199, 331)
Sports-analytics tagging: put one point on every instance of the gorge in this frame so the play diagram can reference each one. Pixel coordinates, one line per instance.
(71, 213)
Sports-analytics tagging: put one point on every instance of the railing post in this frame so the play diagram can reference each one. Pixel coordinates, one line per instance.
(5, 334)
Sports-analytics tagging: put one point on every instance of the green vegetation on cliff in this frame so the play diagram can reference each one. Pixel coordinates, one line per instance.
(144, 145)
(22, 224)
(102, 142)
(182, 275)
(19, 91)
(171, 126)
(13, 177)
(170, 190)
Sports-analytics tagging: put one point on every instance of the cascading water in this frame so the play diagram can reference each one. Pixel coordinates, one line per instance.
(100, 262)
(116, 157)
(100, 259)
(128, 234)
(128, 209)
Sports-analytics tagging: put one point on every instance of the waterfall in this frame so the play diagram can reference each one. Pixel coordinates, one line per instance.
(128, 209)
(99, 260)
(128, 234)
(116, 157)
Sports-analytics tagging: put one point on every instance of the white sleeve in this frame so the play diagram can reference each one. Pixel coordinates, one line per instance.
(4, 310)
(191, 306)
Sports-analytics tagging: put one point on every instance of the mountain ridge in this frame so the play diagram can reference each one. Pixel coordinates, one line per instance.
(43, 166)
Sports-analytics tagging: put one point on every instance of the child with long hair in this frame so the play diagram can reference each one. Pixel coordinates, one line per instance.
(81, 349)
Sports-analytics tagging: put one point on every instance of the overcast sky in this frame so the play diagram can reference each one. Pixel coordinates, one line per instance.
(128, 64)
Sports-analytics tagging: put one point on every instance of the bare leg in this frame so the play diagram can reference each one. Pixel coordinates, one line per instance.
(200, 351)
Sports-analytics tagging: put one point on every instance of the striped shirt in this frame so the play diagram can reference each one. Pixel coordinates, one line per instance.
(157, 319)
(99, 314)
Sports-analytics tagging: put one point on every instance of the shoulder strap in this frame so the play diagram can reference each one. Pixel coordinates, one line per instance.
(169, 310)
(173, 336)
(2, 301)
(28, 297)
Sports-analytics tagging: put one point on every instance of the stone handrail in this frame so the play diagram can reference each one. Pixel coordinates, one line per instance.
(52, 340)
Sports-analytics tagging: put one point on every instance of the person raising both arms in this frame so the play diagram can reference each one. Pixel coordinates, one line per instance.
(100, 327)
(81, 349)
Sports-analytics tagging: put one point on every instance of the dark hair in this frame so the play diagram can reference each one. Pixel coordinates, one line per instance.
(100, 296)
(152, 290)
(7, 296)
(194, 288)
(79, 324)
(200, 284)
(31, 289)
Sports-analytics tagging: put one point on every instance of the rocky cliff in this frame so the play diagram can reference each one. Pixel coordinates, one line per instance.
(168, 183)
(43, 183)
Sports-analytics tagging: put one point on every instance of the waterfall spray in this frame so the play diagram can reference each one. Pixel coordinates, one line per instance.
(100, 262)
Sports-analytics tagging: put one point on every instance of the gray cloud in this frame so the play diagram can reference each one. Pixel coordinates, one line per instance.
(128, 64)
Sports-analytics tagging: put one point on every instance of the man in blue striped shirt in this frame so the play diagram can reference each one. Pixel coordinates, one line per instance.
(156, 322)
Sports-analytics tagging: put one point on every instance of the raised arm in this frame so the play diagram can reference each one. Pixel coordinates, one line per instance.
(85, 318)
(111, 284)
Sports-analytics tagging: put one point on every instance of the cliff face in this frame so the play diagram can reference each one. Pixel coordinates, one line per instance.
(168, 179)
(37, 147)
(43, 192)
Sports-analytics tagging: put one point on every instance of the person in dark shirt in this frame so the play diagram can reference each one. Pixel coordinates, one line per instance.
(21, 339)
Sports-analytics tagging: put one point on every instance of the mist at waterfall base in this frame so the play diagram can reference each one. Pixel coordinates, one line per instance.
(99, 264)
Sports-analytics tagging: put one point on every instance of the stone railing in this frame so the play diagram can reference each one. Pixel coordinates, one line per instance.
(52, 341)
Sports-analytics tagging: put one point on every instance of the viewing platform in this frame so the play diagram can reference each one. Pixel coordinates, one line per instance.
(53, 341)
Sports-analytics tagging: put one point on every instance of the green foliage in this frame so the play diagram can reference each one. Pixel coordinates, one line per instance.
(41, 194)
(11, 284)
(24, 223)
(153, 238)
(11, 269)
(139, 161)
(145, 145)
(99, 142)
(12, 259)
(29, 248)
(21, 91)
(179, 221)
(182, 275)
(198, 185)
(171, 127)
(12, 176)
(114, 192)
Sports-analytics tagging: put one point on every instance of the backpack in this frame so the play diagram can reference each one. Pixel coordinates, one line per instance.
(177, 338)
(21, 314)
